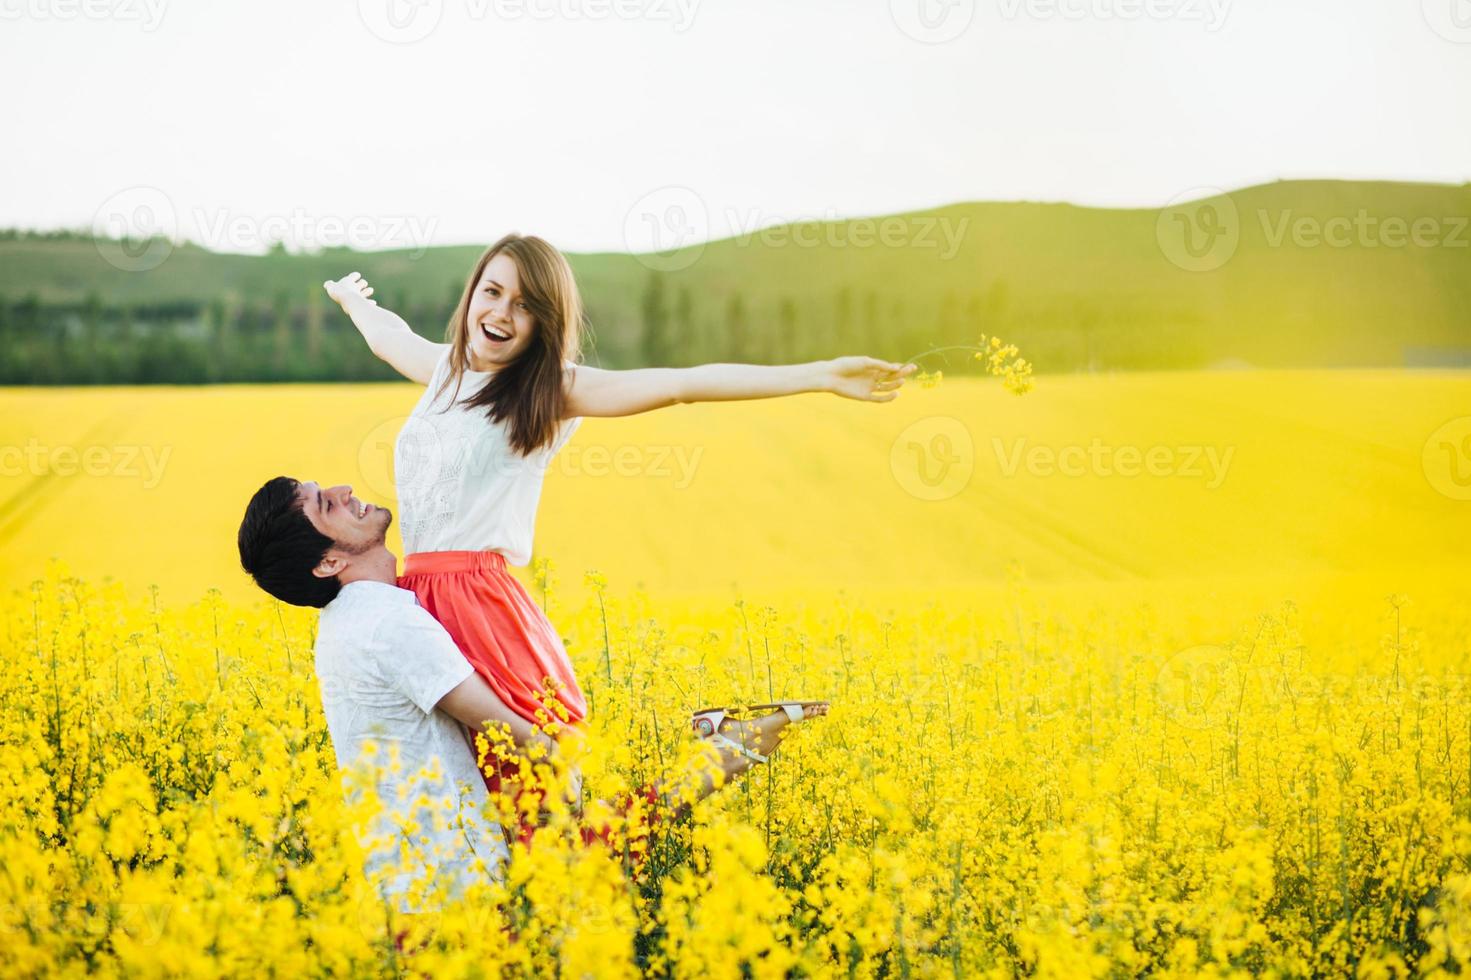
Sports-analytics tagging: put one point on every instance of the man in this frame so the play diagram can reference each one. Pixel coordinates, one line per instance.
(389, 675)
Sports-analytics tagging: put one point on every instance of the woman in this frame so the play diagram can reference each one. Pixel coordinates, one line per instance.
(502, 396)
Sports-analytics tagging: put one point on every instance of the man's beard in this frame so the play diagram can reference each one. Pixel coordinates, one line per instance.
(379, 542)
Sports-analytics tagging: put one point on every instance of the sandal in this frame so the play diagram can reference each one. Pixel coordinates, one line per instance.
(707, 723)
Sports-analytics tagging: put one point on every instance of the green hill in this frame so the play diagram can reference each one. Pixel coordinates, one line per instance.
(1323, 273)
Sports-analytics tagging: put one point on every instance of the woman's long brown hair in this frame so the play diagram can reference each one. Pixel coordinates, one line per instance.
(528, 393)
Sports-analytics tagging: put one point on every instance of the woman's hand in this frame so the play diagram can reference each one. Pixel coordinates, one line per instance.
(867, 378)
(573, 791)
(350, 288)
(388, 336)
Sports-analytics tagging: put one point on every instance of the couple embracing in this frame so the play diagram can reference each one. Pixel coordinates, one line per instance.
(455, 645)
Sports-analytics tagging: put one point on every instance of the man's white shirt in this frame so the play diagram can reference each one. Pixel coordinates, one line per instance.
(383, 663)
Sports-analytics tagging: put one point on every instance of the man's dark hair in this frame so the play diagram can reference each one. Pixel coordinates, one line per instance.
(279, 547)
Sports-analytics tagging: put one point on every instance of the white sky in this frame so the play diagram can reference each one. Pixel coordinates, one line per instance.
(242, 121)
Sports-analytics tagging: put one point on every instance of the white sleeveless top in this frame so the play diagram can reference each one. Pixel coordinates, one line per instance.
(460, 485)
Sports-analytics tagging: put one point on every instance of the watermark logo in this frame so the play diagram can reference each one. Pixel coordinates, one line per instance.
(414, 453)
(933, 458)
(1197, 687)
(135, 229)
(942, 233)
(138, 228)
(680, 13)
(228, 231)
(1363, 230)
(410, 21)
(380, 458)
(1201, 235)
(1099, 459)
(1451, 19)
(932, 21)
(116, 461)
(1446, 459)
(677, 463)
(148, 14)
(145, 924)
(1199, 230)
(1211, 13)
(666, 229)
(400, 21)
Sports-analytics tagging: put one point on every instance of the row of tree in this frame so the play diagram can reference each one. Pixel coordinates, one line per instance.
(307, 339)
(176, 343)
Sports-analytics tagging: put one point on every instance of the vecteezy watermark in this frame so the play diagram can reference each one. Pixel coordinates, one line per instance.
(412, 453)
(1197, 688)
(1209, 463)
(1199, 229)
(148, 14)
(144, 923)
(224, 230)
(378, 459)
(400, 21)
(134, 230)
(831, 231)
(933, 458)
(666, 229)
(407, 21)
(656, 461)
(932, 21)
(679, 13)
(1451, 19)
(1363, 230)
(138, 228)
(1211, 13)
(126, 462)
(1446, 459)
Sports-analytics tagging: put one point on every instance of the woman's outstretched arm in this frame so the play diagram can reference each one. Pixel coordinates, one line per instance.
(601, 393)
(388, 336)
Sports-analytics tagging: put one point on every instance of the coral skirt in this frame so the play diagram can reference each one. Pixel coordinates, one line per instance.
(500, 630)
(510, 642)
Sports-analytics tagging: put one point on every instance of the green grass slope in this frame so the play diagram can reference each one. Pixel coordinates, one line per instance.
(1322, 273)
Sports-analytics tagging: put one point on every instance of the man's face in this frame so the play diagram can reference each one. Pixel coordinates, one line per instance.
(353, 526)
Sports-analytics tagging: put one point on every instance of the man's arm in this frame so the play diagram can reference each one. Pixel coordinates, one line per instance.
(474, 704)
(417, 656)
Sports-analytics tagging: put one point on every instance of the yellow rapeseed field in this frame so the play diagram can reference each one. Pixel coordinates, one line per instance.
(1154, 673)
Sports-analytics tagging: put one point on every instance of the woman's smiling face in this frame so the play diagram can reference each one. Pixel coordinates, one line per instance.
(499, 320)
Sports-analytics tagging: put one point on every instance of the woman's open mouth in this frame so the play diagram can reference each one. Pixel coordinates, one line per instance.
(495, 336)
